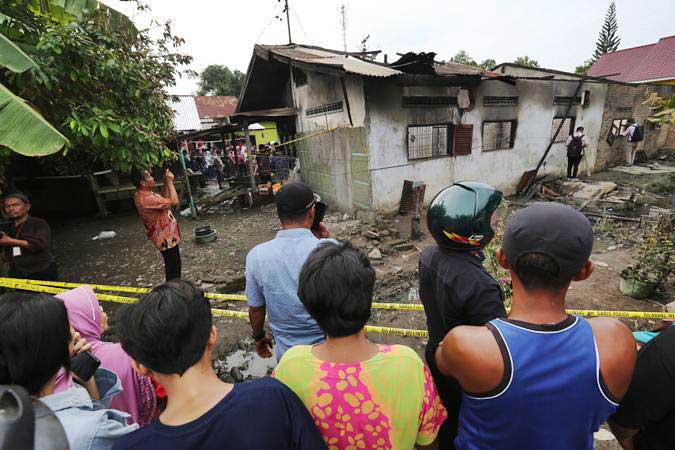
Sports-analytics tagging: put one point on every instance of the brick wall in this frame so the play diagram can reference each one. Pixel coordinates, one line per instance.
(625, 101)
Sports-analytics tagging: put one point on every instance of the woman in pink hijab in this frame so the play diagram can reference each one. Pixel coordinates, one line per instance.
(87, 317)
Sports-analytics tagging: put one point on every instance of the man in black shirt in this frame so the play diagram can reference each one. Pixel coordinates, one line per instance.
(455, 288)
(646, 418)
(26, 242)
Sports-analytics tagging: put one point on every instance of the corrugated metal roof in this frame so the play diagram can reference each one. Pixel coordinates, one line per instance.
(215, 106)
(331, 59)
(647, 62)
(453, 68)
(185, 115)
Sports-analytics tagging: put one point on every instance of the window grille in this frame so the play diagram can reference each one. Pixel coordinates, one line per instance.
(563, 100)
(565, 131)
(428, 102)
(616, 130)
(427, 141)
(499, 135)
(329, 108)
(499, 101)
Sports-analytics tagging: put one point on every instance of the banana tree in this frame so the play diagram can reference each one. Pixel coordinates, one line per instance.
(22, 128)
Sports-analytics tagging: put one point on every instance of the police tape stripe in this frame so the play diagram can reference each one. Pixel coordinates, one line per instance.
(388, 306)
(215, 311)
(105, 287)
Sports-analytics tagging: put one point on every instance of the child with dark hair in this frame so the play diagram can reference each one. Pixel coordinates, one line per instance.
(31, 356)
(361, 394)
(170, 336)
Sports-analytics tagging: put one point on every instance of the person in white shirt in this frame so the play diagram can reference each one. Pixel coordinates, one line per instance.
(576, 145)
(631, 146)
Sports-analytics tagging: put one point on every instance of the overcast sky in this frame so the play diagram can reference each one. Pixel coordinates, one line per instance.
(558, 34)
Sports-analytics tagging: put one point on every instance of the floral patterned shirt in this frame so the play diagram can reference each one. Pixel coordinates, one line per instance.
(387, 402)
(160, 224)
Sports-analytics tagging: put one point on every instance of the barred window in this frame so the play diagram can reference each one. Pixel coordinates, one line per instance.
(499, 135)
(428, 102)
(329, 108)
(427, 141)
(563, 100)
(565, 131)
(490, 100)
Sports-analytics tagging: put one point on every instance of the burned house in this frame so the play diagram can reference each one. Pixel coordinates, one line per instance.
(368, 126)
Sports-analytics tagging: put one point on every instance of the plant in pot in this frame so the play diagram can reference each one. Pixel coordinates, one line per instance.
(654, 262)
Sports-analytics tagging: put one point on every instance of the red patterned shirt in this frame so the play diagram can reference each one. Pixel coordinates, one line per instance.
(160, 224)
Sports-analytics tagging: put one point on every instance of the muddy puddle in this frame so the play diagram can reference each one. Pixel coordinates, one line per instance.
(241, 365)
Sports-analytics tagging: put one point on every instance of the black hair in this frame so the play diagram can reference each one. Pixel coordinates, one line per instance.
(19, 196)
(136, 176)
(34, 339)
(580, 128)
(540, 271)
(292, 217)
(168, 329)
(336, 287)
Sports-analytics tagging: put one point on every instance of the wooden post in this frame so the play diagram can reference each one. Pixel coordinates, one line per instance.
(100, 203)
(247, 135)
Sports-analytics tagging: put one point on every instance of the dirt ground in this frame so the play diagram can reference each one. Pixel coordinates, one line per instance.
(130, 259)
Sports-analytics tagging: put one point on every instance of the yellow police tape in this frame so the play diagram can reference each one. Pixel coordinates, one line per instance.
(11, 283)
(56, 287)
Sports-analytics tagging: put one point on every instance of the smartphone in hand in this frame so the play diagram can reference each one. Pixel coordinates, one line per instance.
(84, 365)
(319, 213)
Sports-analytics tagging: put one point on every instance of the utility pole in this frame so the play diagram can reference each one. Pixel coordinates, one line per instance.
(288, 20)
(343, 22)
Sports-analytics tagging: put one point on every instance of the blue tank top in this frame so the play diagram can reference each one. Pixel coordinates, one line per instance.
(551, 397)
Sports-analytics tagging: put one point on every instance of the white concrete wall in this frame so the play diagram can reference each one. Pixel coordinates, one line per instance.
(387, 122)
(323, 89)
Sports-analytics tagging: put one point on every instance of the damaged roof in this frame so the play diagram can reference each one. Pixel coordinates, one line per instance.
(330, 59)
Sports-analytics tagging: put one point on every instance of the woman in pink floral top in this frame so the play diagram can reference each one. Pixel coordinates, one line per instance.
(361, 395)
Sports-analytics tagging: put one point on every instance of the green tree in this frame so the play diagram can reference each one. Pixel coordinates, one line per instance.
(582, 69)
(526, 61)
(462, 57)
(488, 64)
(217, 79)
(609, 40)
(103, 87)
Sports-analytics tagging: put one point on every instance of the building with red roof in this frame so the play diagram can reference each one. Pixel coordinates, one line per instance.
(652, 63)
(215, 109)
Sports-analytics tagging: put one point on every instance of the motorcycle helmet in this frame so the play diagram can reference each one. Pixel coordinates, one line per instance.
(459, 217)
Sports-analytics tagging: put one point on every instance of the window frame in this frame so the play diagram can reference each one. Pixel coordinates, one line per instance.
(510, 102)
(512, 138)
(448, 133)
(616, 130)
(325, 109)
(562, 138)
(428, 101)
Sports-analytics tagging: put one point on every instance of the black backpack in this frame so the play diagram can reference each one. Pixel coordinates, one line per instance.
(576, 146)
(638, 134)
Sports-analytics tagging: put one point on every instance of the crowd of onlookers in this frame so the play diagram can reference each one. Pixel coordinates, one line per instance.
(535, 379)
(214, 163)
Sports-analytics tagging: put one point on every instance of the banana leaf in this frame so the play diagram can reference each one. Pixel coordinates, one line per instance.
(24, 130)
(13, 58)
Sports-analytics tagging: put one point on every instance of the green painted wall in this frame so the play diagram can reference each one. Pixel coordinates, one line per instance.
(265, 136)
(335, 166)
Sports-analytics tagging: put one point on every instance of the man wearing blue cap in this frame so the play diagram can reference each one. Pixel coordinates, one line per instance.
(540, 378)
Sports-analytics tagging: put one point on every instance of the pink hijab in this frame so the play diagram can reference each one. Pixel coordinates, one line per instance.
(138, 395)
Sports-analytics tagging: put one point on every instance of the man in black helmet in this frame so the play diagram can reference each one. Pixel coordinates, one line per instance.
(455, 288)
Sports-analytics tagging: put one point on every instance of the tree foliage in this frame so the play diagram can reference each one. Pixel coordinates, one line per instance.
(608, 40)
(585, 67)
(104, 88)
(488, 64)
(526, 61)
(217, 79)
(462, 57)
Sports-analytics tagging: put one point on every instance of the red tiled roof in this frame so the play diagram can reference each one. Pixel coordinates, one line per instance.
(647, 62)
(215, 106)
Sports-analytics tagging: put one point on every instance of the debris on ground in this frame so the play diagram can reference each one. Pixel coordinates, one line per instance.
(104, 235)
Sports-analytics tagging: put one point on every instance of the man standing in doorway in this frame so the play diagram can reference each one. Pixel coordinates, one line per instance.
(26, 242)
(455, 288)
(272, 273)
(631, 143)
(160, 223)
(576, 146)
